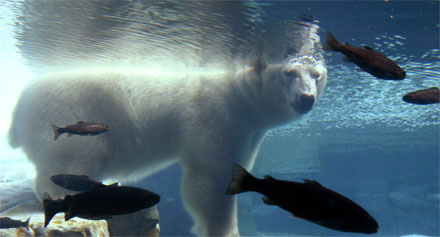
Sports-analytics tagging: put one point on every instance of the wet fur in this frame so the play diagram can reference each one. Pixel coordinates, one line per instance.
(206, 122)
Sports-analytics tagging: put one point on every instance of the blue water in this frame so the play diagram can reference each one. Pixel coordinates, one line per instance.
(361, 140)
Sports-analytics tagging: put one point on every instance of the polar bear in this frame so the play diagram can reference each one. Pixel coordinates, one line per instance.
(205, 121)
(203, 118)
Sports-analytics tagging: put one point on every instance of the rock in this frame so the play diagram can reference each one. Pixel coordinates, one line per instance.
(141, 223)
(57, 227)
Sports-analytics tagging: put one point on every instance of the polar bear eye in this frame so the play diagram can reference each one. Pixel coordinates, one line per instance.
(315, 74)
(291, 73)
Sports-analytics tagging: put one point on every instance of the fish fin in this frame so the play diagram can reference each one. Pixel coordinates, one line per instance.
(267, 201)
(312, 182)
(368, 48)
(56, 132)
(68, 215)
(69, 134)
(80, 122)
(347, 59)
(268, 177)
(331, 40)
(347, 44)
(294, 217)
(98, 186)
(113, 185)
(239, 174)
(27, 222)
(50, 208)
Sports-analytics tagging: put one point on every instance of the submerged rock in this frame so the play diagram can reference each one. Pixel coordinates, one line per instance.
(58, 227)
(141, 223)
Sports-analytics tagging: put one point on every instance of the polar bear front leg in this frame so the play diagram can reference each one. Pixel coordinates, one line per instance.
(203, 192)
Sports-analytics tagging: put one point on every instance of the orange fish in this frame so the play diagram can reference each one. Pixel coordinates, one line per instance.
(6, 223)
(309, 200)
(78, 183)
(81, 128)
(423, 97)
(100, 203)
(367, 59)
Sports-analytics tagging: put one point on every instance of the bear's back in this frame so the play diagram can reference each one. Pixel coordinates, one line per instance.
(129, 99)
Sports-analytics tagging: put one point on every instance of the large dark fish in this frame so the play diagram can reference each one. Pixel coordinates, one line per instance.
(423, 97)
(367, 59)
(78, 183)
(81, 128)
(308, 200)
(100, 203)
(6, 222)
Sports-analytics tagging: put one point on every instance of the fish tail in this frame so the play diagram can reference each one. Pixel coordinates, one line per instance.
(331, 42)
(240, 177)
(56, 132)
(50, 207)
(27, 222)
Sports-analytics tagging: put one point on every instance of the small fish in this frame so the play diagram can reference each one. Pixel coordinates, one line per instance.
(99, 203)
(367, 59)
(309, 200)
(81, 128)
(6, 222)
(78, 183)
(423, 97)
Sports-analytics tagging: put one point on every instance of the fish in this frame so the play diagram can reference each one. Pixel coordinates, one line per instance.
(309, 200)
(78, 183)
(81, 128)
(6, 223)
(423, 97)
(99, 203)
(367, 59)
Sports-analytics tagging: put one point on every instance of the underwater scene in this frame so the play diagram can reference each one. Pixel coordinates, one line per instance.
(219, 118)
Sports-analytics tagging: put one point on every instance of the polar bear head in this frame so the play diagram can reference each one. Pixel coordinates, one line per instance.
(292, 89)
(304, 82)
(296, 74)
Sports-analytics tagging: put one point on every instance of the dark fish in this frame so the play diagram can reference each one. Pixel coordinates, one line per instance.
(6, 222)
(78, 183)
(423, 97)
(81, 128)
(99, 203)
(367, 59)
(308, 200)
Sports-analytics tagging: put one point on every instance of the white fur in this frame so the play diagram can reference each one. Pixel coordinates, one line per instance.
(205, 121)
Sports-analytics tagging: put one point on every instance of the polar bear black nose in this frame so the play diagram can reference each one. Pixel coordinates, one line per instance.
(307, 101)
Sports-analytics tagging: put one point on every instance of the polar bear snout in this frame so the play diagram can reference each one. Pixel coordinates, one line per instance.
(304, 103)
(307, 102)
(303, 81)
